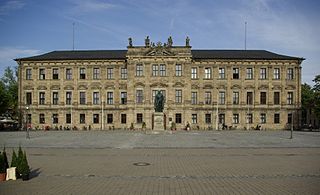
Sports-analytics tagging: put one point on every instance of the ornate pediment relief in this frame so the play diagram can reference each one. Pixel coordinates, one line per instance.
(122, 86)
(236, 87)
(291, 87)
(263, 87)
(178, 84)
(249, 87)
(82, 87)
(28, 87)
(277, 87)
(222, 87)
(139, 84)
(159, 50)
(42, 87)
(158, 84)
(195, 86)
(207, 86)
(55, 87)
(68, 87)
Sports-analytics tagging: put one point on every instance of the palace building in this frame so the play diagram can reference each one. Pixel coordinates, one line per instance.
(204, 89)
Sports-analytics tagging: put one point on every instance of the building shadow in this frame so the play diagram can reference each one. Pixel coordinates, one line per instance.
(34, 173)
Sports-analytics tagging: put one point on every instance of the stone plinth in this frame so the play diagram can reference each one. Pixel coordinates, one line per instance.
(158, 121)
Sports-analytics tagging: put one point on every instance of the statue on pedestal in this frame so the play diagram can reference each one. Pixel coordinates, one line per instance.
(170, 42)
(187, 42)
(130, 42)
(159, 102)
(147, 41)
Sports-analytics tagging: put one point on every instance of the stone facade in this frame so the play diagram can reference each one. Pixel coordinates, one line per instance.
(114, 89)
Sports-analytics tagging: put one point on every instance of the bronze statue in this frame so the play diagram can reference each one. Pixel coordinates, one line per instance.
(187, 42)
(159, 102)
(130, 42)
(170, 42)
(147, 41)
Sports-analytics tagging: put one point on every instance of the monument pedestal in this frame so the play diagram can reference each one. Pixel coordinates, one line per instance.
(158, 121)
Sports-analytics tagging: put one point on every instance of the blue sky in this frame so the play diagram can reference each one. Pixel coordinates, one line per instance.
(289, 27)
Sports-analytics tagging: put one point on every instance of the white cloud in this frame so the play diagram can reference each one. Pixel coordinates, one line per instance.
(85, 6)
(11, 6)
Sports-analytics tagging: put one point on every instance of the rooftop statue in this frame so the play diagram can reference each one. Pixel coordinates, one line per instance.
(130, 42)
(187, 42)
(170, 42)
(159, 102)
(147, 41)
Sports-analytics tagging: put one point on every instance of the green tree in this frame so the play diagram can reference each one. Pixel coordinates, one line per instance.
(9, 91)
(316, 89)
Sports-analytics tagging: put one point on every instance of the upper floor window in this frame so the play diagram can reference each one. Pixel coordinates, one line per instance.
(139, 70)
(222, 73)
(276, 73)
(68, 97)
(249, 98)
(290, 73)
(42, 97)
(276, 98)
(109, 73)
(55, 98)
(263, 98)
(82, 98)
(42, 74)
(249, 73)
(155, 70)
(178, 70)
(96, 73)
(194, 73)
(222, 97)
(55, 73)
(123, 97)
(29, 74)
(68, 73)
(139, 96)
(194, 97)
(263, 73)
(178, 96)
(82, 73)
(124, 73)
(28, 98)
(235, 97)
(290, 98)
(236, 74)
(162, 70)
(96, 98)
(109, 98)
(207, 73)
(207, 97)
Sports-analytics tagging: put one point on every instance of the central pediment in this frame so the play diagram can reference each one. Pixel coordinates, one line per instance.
(159, 51)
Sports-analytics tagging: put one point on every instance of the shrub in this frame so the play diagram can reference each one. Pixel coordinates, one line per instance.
(2, 164)
(14, 160)
(25, 169)
(5, 158)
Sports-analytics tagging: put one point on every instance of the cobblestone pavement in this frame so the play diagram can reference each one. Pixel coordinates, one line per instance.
(130, 165)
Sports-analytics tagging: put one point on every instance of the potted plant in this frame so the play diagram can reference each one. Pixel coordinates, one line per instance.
(173, 126)
(14, 162)
(3, 168)
(24, 169)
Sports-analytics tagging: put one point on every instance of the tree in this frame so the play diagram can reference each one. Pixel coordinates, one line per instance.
(9, 91)
(316, 89)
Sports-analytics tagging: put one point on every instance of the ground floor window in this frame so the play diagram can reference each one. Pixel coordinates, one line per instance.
(221, 118)
(178, 118)
(68, 118)
(194, 119)
(208, 118)
(55, 118)
(139, 118)
(123, 118)
(235, 119)
(82, 118)
(249, 118)
(42, 119)
(109, 118)
(289, 118)
(276, 118)
(95, 118)
(263, 118)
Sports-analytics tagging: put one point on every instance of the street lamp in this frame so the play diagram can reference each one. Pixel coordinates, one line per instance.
(27, 129)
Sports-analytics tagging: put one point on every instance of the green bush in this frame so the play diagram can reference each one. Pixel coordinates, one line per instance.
(25, 169)
(5, 158)
(14, 160)
(2, 164)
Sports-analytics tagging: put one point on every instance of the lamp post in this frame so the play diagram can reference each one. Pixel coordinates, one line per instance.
(27, 121)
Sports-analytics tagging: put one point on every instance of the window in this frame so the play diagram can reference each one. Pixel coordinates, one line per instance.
(109, 98)
(42, 74)
(55, 98)
(82, 118)
(276, 73)
(123, 97)
(95, 118)
(276, 98)
(207, 97)
(124, 73)
(29, 118)
(178, 70)
(68, 118)
(123, 118)
(42, 119)
(289, 118)
(139, 70)
(68, 73)
(82, 98)
(194, 98)
(263, 73)
(154, 70)
(139, 118)
(235, 119)
(235, 97)
(96, 97)
(194, 118)
(178, 96)
(207, 73)
(290, 73)
(55, 118)
(290, 98)
(178, 118)
(249, 73)
(235, 73)
(28, 74)
(222, 97)
(96, 73)
(139, 96)
(276, 118)
(109, 118)
(249, 118)
(68, 97)
(163, 70)
(208, 118)
(263, 118)
(82, 73)
(42, 98)
(263, 98)
(222, 73)
(109, 73)
(28, 98)
(55, 73)
(194, 73)
(249, 98)
(221, 118)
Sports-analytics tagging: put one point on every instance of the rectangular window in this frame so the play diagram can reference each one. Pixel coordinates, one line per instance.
(194, 98)
(155, 70)
(42, 97)
(82, 98)
(207, 97)
(222, 73)
(139, 70)
(290, 98)
(276, 98)
(109, 118)
(29, 118)
(28, 74)
(68, 73)
(96, 98)
(249, 73)
(42, 74)
(139, 96)
(178, 96)
(28, 98)
(263, 98)
(208, 118)
(178, 70)
(290, 73)
(55, 118)
(82, 73)
(194, 118)
(263, 118)
(235, 119)
(124, 73)
(235, 97)
(109, 98)
(276, 118)
(236, 74)
(178, 118)
(249, 98)
(109, 73)
(95, 118)
(55, 73)
(263, 73)
(123, 97)
(221, 118)
(68, 118)
(55, 98)
(139, 118)
(82, 118)
(194, 73)
(276, 73)
(207, 73)
(96, 73)
(289, 118)
(123, 118)
(68, 97)
(42, 119)
(163, 72)
(249, 118)
(222, 97)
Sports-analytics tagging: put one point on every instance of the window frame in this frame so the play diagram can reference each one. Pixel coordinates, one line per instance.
(194, 73)
(178, 72)
(55, 73)
(28, 74)
(68, 73)
(207, 73)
